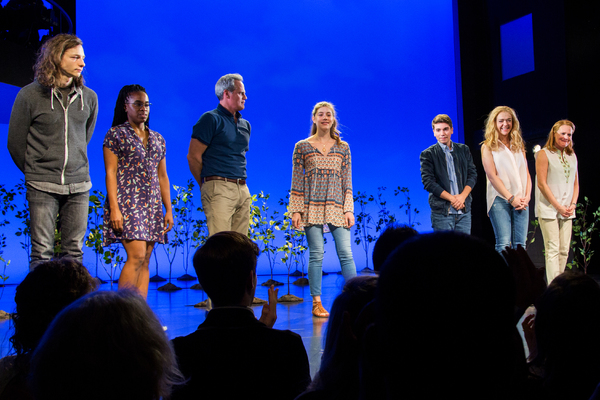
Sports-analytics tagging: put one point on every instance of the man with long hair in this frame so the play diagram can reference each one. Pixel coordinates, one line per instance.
(51, 124)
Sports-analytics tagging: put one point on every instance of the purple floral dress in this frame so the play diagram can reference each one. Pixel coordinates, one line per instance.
(138, 189)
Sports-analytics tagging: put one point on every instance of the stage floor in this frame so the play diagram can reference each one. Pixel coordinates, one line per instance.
(176, 311)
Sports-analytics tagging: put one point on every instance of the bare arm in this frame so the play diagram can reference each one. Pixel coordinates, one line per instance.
(573, 204)
(165, 193)
(195, 152)
(111, 162)
(492, 174)
(525, 202)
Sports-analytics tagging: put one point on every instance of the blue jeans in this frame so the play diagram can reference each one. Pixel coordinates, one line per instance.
(451, 222)
(314, 237)
(510, 226)
(73, 213)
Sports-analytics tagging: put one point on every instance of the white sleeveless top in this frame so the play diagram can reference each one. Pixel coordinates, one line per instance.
(512, 171)
(560, 180)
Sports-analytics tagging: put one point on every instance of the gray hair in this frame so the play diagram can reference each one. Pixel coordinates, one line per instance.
(227, 82)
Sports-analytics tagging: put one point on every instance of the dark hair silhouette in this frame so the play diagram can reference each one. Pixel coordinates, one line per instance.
(43, 293)
(338, 375)
(567, 328)
(393, 236)
(106, 345)
(223, 265)
(445, 307)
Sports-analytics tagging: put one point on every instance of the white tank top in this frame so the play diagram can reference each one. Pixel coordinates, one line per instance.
(560, 185)
(512, 171)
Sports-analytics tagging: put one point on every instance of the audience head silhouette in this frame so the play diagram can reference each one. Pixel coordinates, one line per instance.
(226, 268)
(393, 236)
(445, 307)
(106, 345)
(567, 328)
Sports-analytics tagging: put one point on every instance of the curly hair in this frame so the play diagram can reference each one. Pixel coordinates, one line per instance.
(120, 116)
(491, 131)
(551, 142)
(333, 131)
(44, 292)
(47, 66)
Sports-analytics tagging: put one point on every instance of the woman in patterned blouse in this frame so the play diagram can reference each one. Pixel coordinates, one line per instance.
(321, 196)
(137, 186)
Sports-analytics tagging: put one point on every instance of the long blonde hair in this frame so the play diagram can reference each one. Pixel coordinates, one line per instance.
(491, 131)
(551, 142)
(333, 131)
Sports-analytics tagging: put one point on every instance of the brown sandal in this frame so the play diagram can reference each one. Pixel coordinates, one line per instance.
(318, 310)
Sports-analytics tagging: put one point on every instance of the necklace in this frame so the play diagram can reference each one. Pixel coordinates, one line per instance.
(324, 145)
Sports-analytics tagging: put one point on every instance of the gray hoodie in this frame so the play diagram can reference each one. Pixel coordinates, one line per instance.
(48, 141)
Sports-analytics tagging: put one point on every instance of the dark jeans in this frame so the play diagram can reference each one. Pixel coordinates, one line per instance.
(73, 213)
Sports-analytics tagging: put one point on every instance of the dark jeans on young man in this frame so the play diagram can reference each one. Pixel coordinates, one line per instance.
(72, 210)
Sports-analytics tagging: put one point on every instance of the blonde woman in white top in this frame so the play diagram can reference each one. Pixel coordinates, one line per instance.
(508, 179)
(556, 195)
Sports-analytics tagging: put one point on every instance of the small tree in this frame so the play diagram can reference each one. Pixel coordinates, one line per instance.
(95, 226)
(114, 260)
(584, 227)
(364, 223)
(23, 232)
(183, 229)
(410, 212)
(263, 225)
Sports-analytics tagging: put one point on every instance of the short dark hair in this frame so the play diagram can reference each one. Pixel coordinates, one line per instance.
(441, 119)
(223, 264)
(44, 292)
(393, 236)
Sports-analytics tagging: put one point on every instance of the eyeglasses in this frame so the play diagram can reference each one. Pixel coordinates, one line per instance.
(139, 104)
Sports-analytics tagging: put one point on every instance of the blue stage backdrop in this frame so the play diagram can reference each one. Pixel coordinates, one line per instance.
(389, 67)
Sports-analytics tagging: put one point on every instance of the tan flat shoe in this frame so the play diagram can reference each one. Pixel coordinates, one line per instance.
(318, 310)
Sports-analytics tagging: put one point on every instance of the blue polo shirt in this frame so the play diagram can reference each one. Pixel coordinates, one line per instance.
(227, 143)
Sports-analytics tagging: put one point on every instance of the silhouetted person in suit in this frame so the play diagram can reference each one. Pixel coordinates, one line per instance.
(232, 354)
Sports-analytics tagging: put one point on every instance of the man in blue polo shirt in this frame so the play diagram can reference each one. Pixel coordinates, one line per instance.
(217, 159)
(449, 175)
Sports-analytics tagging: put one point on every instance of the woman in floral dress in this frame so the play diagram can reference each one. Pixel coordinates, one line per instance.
(137, 186)
(322, 195)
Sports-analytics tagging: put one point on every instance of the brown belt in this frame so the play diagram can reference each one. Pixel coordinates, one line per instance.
(220, 178)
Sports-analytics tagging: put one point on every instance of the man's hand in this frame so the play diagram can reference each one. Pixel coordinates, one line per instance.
(269, 311)
(459, 201)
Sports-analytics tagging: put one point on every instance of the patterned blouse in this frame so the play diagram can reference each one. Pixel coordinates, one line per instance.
(138, 187)
(322, 184)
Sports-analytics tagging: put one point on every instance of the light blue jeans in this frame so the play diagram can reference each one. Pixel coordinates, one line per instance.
(510, 226)
(451, 222)
(73, 213)
(314, 237)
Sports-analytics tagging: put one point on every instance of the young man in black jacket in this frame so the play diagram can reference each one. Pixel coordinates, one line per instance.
(449, 175)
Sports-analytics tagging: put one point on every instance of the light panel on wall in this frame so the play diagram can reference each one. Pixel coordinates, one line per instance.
(516, 42)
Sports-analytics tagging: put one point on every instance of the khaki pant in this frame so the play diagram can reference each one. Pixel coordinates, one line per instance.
(557, 240)
(226, 206)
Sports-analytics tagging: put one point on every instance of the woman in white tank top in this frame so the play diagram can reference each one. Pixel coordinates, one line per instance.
(556, 195)
(508, 180)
